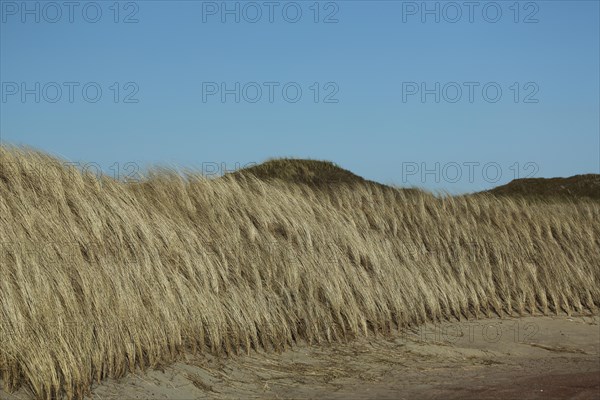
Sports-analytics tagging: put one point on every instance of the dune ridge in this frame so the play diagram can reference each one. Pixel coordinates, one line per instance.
(573, 187)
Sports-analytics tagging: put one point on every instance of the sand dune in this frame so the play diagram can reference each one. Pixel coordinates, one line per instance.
(103, 277)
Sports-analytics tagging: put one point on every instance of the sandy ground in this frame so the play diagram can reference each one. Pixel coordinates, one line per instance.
(525, 358)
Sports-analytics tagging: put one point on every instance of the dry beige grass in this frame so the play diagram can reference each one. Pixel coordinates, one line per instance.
(99, 276)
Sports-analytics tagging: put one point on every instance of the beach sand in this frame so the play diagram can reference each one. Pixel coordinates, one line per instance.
(521, 358)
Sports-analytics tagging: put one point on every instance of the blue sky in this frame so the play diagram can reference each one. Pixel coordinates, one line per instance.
(361, 67)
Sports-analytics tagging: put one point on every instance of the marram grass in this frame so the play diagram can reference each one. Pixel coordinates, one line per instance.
(99, 276)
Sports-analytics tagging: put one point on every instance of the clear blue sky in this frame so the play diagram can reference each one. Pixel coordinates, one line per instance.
(373, 61)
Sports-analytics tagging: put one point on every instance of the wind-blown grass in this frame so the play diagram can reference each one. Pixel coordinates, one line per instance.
(98, 276)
